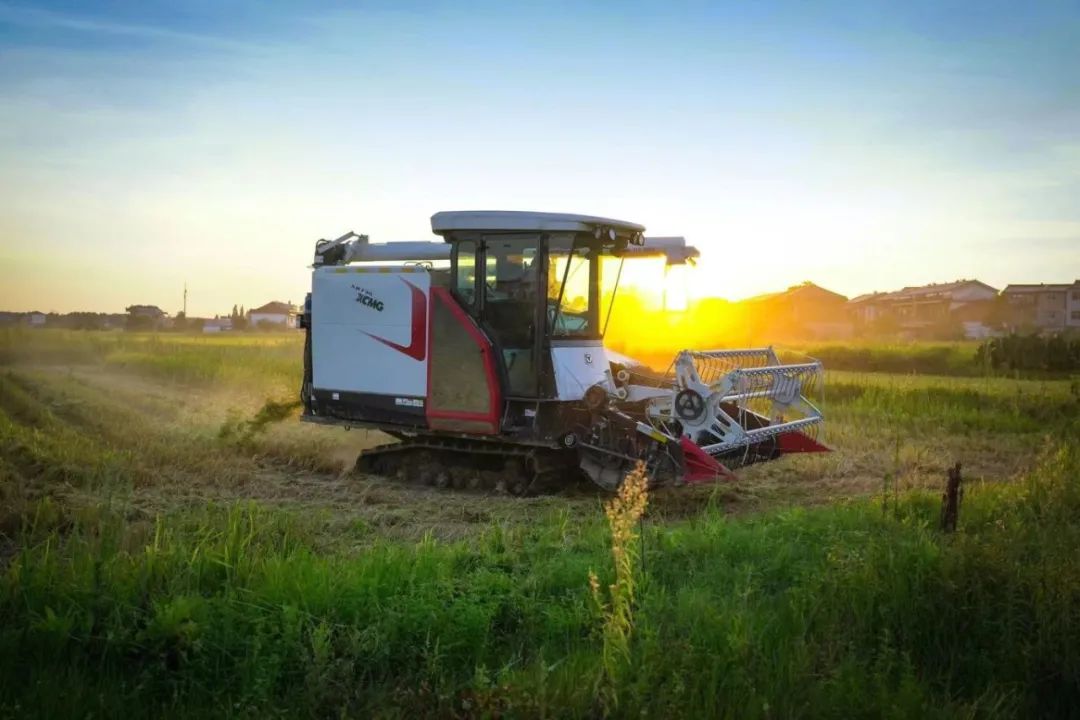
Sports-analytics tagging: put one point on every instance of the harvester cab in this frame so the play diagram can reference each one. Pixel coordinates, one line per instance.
(483, 356)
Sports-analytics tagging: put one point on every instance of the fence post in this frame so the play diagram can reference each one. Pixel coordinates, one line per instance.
(950, 500)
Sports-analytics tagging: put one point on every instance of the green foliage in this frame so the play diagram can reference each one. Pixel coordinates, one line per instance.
(925, 358)
(838, 611)
(920, 406)
(240, 609)
(1016, 353)
(1030, 356)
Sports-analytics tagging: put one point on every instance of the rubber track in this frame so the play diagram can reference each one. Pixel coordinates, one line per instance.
(542, 468)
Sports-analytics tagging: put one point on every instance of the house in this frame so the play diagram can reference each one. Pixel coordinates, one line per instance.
(929, 310)
(273, 313)
(35, 319)
(867, 309)
(216, 325)
(1045, 307)
(804, 311)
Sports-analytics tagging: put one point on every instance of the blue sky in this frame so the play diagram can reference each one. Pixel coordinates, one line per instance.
(861, 145)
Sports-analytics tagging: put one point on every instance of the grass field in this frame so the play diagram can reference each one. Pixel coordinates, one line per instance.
(160, 558)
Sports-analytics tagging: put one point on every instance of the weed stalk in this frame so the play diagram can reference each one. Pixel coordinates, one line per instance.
(624, 512)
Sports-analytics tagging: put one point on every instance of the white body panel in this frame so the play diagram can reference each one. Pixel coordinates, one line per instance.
(351, 308)
(400, 251)
(577, 368)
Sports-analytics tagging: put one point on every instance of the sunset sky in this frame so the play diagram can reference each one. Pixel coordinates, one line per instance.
(857, 144)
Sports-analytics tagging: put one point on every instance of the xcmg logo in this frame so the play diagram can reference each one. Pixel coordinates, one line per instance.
(366, 298)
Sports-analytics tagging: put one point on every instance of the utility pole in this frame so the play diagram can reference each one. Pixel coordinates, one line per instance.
(185, 298)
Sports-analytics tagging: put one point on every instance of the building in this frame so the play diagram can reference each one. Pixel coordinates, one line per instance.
(1072, 320)
(940, 309)
(1043, 307)
(806, 311)
(867, 309)
(273, 313)
(216, 325)
(36, 319)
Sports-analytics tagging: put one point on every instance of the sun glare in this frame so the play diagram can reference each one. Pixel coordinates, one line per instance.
(661, 309)
(676, 288)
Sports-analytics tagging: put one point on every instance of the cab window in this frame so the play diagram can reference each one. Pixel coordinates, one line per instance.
(465, 272)
(571, 302)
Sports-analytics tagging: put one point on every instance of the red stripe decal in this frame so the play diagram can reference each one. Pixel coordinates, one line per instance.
(417, 347)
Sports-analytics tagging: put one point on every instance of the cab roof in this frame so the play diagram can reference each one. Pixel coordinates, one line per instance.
(520, 221)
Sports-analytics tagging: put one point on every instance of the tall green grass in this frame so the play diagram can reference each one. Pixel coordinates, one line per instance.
(243, 610)
(920, 405)
(925, 358)
(841, 611)
(239, 361)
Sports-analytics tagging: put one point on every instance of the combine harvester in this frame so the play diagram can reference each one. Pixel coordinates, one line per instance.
(492, 371)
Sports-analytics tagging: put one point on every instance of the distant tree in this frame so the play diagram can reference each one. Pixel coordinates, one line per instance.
(139, 323)
(239, 319)
(84, 321)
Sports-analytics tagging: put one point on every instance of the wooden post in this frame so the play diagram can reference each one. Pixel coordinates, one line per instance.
(950, 500)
